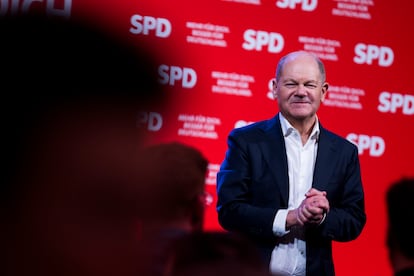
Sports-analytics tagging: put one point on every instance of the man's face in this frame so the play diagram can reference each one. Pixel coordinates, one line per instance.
(300, 90)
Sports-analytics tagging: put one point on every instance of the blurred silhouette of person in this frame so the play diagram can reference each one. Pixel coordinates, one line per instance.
(70, 99)
(172, 197)
(214, 253)
(400, 239)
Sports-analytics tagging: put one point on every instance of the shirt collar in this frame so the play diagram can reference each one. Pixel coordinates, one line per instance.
(287, 128)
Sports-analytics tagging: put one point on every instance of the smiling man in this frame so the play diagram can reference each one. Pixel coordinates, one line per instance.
(288, 183)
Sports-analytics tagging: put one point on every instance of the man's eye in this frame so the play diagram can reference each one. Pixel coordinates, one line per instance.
(290, 84)
(311, 85)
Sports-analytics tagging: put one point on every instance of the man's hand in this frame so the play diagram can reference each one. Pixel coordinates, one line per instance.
(313, 208)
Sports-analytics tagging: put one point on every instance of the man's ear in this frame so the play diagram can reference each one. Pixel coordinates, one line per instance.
(274, 86)
(325, 87)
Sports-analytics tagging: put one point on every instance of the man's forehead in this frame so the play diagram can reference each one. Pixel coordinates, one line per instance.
(305, 68)
(302, 58)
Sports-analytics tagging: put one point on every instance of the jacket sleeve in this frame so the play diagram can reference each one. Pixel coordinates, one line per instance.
(342, 181)
(245, 203)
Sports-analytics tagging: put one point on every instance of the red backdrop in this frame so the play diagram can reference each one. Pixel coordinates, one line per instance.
(217, 58)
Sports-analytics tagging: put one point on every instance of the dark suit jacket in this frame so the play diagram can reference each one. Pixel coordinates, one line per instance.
(253, 184)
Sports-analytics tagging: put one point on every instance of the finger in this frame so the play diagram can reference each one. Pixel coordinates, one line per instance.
(319, 201)
(299, 216)
(307, 215)
(314, 192)
(324, 204)
(315, 211)
(316, 216)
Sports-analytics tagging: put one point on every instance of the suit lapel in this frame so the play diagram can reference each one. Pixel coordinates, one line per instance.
(274, 152)
(324, 162)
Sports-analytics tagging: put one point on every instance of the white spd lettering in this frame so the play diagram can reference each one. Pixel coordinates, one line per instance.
(306, 5)
(13, 7)
(151, 120)
(241, 123)
(391, 102)
(171, 74)
(367, 53)
(257, 40)
(146, 25)
(374, 144)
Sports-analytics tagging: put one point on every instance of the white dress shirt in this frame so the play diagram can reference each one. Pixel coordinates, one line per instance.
(289, 256)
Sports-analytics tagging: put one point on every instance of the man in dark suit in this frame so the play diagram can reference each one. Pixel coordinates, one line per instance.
(288, 183)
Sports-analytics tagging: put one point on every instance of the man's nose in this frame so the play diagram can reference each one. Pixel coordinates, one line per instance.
(301, 91)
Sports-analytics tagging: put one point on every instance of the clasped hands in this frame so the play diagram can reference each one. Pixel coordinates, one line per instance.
(311, 211)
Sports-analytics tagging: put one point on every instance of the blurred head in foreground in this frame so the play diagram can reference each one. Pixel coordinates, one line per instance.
(173, 186)
(70, 99)
(214, 253)
(172, 198)
(400, 239)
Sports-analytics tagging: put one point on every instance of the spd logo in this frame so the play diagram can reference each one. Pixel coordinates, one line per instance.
(375, 145)
(146, 25)
(187, 77)
(368, 53)
(257, 40)
(306, 5)
(152, 121)
(391, 102)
